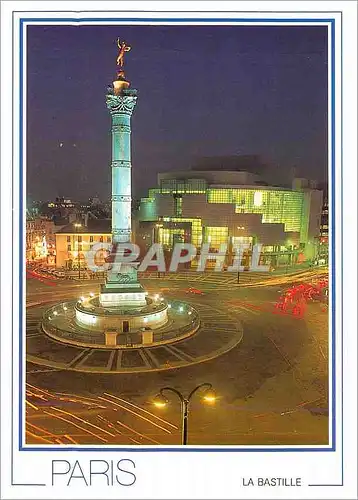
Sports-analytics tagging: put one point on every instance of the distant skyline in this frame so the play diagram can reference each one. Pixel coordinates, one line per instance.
(203, 91)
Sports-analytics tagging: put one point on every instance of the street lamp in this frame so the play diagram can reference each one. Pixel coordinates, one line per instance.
(160, 401)
(77, 225)
(155, 238)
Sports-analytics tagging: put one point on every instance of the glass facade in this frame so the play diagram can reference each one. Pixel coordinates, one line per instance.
(148, 209)
(153, 192)
(241, 240)
(178, 205)
(289, 211)
(183, 186)
(196, 228)
(275, 206)
(168, 237)
(216, 235)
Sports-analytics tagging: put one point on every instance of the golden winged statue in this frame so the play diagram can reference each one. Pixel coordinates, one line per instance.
(123, 47)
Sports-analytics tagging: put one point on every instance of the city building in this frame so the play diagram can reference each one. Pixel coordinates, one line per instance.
(40, 240)
(324, 233)
(74, 240)
(61, 202)
(235, 207)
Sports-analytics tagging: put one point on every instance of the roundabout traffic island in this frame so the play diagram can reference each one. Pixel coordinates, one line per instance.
(87, 323)
(57, 342)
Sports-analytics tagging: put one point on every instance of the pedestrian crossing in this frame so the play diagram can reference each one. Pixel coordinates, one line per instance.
(219, 279)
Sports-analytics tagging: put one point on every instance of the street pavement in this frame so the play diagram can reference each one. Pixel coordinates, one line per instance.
(272, 387)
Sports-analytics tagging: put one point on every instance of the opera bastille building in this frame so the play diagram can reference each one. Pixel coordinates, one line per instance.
(224, 201)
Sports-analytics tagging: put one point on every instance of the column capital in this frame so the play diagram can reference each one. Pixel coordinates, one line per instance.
(123, 104)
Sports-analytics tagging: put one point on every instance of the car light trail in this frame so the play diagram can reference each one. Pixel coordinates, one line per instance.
(30, 404)
(83, 421)
(94, 400)
(119, 433)
(79, 399)
(38, 437)
(70, 439)
(38, 389)
(136, 414)
(142, 409)
(48, 433)
(137, 433)
(76, 425)
(62, 397)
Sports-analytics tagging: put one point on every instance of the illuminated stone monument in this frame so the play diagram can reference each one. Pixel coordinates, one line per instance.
(123, 304)
(122, 286)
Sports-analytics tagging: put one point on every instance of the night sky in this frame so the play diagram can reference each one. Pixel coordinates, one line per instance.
(203, 91)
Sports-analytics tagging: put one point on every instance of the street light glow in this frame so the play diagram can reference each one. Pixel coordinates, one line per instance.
(209, 397)
(160, 404)
(160, 401)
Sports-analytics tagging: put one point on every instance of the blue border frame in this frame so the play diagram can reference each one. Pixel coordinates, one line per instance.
(331, 25)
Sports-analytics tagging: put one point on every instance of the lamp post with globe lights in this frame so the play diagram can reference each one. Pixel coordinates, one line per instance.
(160, 401)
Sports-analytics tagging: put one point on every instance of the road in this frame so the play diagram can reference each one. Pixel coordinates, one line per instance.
(272, 388)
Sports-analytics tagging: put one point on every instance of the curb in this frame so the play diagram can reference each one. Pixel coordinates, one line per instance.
(120, 347)
(200, 359)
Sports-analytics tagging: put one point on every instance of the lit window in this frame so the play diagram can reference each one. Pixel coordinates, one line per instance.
(216, 236)
(258, 198)
(178, 206)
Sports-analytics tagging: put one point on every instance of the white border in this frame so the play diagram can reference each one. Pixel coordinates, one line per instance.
(224, 469)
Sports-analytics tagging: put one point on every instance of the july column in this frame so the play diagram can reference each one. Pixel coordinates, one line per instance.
(121, 105)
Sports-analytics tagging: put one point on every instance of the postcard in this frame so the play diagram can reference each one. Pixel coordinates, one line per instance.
(178, 210)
